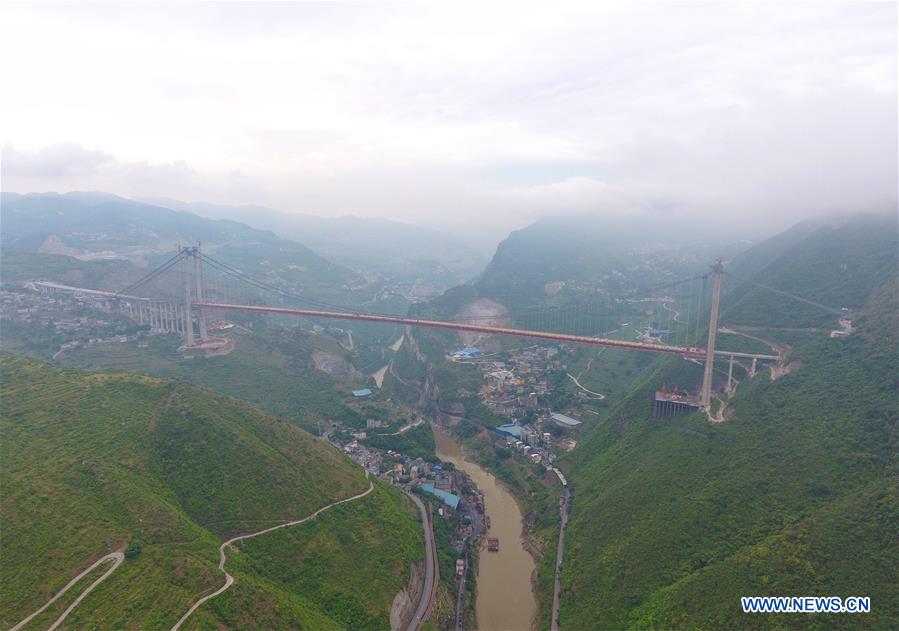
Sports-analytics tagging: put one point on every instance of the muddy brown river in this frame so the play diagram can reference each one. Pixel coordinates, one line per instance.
(505, 600)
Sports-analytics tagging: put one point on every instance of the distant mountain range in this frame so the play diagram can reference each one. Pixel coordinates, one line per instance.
(564, 258)
(92, 226)
(368, 245)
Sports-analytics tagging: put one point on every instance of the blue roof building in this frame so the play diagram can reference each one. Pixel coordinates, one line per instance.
(365, 392)
(447, 498)
(510, 430)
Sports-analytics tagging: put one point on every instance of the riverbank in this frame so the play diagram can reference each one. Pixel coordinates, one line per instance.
(505, 595)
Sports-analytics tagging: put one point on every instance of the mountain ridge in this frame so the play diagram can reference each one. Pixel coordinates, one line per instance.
(95, 462)
(674, 519)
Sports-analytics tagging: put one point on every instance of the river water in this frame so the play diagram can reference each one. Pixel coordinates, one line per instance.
(505, 600)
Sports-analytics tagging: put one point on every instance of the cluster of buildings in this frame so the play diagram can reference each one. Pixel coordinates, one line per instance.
(533, 440)
(70, 320)
(513, 384)
(450, 488)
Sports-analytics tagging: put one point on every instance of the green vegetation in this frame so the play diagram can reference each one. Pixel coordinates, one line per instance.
(109, 275)
(94, 462)
(42, 341)
(101, 222)
(673, 520)
(340, 571)
(272, 369)
(456, 385)
(838, 265)
(444, 615)
(417, 442)
(43, 620)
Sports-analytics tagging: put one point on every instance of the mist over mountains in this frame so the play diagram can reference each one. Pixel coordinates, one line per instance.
(374, 316)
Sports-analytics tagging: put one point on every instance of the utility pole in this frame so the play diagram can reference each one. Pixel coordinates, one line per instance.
(188, 324)
(705, 399)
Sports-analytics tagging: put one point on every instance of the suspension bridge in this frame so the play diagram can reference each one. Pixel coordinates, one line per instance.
(184, 293)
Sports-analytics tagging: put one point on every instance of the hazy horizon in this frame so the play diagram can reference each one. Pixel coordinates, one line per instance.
(746, 116)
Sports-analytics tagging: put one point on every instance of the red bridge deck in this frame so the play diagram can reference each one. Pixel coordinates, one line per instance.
(461, 326)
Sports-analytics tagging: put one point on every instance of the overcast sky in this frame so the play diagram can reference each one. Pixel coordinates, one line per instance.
(488, 116)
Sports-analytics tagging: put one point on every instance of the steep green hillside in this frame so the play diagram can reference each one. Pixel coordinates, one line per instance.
(837, 264)
(588, 254)
(95, 462)
(673, 520)
(108, 275)
(271, 368)
(339, 568)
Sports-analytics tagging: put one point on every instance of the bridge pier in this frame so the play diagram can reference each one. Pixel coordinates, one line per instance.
(730, 376)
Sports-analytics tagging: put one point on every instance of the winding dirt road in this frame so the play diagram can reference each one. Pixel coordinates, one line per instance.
(597, 395)
(674, 312)
(223, 557)
(115, 557)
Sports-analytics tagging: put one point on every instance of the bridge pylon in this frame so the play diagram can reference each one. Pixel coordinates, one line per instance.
(198, 278)
(188, 312)
(705, 396)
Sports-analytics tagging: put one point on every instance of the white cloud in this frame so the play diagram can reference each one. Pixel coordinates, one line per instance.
(66, 159)
(771, 111)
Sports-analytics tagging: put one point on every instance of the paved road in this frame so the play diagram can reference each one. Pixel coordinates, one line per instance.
(115, 557)
(460, 597)
(223, 557)
(560, 550)
(429, 591)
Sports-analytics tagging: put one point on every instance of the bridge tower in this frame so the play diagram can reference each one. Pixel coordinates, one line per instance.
(198, 277)
(188, 311)
(705, 396)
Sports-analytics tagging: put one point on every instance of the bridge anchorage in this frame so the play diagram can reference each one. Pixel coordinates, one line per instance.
(191, 288)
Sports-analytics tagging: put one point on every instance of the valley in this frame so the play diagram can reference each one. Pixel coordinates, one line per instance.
(564, 420)
(370, 316)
